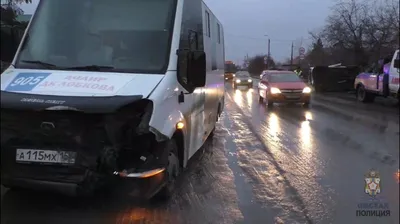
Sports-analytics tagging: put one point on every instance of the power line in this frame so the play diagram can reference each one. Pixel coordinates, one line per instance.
(263, 39)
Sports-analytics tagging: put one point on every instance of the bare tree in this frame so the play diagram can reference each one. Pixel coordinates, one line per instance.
(346, 29)
(383, 28)
(9, 27)
(360, 31)
(318, 54)
(256, 64)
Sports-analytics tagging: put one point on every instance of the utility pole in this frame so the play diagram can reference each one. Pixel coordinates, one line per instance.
(269, 52)
(291, 58)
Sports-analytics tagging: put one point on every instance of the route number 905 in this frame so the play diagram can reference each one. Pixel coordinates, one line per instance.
(26, 81)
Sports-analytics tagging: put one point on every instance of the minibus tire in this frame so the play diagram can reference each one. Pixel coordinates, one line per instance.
(172, 171)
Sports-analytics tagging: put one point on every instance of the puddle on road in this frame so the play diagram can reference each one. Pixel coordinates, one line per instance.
(269, 188)
(251, 209)
(285, 149)
(325, 195)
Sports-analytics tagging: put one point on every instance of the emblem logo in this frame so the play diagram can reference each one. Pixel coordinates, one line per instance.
(372, 183)
(47, 126)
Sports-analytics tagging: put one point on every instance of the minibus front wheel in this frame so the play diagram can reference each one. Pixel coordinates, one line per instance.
(172, 171)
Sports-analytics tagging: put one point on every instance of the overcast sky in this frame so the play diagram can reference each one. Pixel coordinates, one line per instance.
(246, 22)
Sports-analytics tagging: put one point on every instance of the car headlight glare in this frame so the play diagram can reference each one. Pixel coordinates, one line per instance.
(275, 90)
(249, 80)
(238, 81)
(307, 90)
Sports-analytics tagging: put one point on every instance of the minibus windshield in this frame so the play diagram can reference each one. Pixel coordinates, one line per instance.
(99, 35)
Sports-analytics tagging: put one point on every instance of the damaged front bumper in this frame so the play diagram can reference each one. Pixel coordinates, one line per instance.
(111, 151)
(132, 185)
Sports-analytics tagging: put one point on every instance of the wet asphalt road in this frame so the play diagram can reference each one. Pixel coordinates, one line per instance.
(285, 164)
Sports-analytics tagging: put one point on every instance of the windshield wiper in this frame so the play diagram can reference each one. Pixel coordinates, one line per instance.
(42, 63)
(90, 68)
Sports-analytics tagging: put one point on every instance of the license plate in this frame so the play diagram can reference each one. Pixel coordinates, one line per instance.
(45, 156)
(293, 96)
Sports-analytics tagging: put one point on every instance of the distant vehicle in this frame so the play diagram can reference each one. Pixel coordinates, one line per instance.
(242, 79)
(283, 87)
(230, 70)
(105, 101)
(381, 79)
(266, 71)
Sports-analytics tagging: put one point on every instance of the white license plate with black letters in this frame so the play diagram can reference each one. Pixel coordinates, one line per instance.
(45, 156)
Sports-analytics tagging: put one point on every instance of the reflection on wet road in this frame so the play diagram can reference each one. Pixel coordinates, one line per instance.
(285, 164)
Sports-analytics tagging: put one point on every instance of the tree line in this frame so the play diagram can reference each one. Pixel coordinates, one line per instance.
(357, 32)
(11, 30)
(10, 11)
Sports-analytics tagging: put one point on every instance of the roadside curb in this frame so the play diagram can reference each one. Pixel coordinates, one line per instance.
(383, 126)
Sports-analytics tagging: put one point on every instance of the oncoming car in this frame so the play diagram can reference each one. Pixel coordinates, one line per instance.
(230, 69)
(242, 78)
(283, 87)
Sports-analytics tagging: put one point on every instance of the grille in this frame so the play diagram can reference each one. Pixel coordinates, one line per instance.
(63, 130)
(49, 127)
(292, 94)
(291, 90)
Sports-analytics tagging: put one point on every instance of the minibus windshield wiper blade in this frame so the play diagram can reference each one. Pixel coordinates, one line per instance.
(42, 63)
(90, 68)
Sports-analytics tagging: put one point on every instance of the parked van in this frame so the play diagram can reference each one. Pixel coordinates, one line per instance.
(104, 93)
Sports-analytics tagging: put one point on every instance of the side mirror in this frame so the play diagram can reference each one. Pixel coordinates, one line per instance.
(396, 63)
(191, 69)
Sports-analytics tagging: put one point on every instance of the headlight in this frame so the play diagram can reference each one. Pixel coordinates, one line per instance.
(234, 75)
(275, 90)
(238, 81)
(249, 80)
(307, 90)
